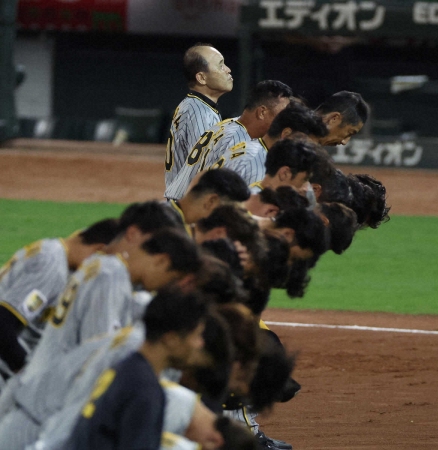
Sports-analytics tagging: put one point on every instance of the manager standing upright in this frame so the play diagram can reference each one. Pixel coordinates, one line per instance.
(208, 78)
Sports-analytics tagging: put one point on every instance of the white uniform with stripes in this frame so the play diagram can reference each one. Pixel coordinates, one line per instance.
(30, 283)
(195, 114)
(229, 134)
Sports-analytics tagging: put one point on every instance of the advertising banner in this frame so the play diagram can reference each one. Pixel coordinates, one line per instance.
(388, 152)
(378, 18)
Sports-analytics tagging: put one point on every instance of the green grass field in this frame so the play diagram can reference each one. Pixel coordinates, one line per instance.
(390, 269)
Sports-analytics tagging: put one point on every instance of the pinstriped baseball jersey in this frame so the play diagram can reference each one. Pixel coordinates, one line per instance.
(195, 114)
(53, 398)
(97, 300)
(248, 163)
(30, 284)
(228, 134)
(33, 278)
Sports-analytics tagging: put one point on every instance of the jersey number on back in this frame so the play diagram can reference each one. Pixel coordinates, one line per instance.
(168, 163)
(198, 149)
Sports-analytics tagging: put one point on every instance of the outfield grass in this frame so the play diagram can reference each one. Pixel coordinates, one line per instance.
(390, 269)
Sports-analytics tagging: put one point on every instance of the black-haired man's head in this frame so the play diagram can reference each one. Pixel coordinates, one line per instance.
(344, 114)
(342, 223)
(233, 222)
(305, 231)
(103, 231)
(148, 217)
(291, 162)
(226, 184)
(368, 200)
(295, 119)
(177, 320)
(330, 185)
(171, 255)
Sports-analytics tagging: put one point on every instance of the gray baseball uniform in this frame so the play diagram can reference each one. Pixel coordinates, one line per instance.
(97, 300)
(195, 114)
(248, 163)
(30, 284)
(56, 398)
(206, 153)
(56, 395)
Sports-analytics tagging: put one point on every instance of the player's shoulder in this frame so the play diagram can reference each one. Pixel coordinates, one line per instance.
(101, 265)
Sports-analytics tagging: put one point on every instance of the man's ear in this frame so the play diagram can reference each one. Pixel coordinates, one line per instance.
(171, 339)
(317, 190)
(286, 133)
(201, 78)
(261, 112)
(332, 119)
(161, 260)
(211, 201)
(284, 173)
(134, 235)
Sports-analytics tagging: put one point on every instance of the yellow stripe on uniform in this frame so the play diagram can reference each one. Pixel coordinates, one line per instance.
(262, 325)
(14, 312)
(176, 207)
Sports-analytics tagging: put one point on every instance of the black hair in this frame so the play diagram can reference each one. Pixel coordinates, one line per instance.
(283, 197)
(310, 232)
(245, 332)
(299, 156)
(368, 200)
(173, 310)
(225, 250)
(298, 278)
(351, 105)
(212, 381)
(224, 182)
(149, 216)
(342, 225)
(298, 118)
(258, 296)
(274, 269)
(194, 63)
(218, 282)
(272, 374)
(268, 93)
(102, 232)
(378, 210)
(240, 226)
(183, 252)
(334, 187)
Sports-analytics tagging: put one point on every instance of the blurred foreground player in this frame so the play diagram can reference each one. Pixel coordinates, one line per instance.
(126, 408)
(30, 283)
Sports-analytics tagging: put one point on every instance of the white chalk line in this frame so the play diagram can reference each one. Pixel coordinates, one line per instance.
(351, 327)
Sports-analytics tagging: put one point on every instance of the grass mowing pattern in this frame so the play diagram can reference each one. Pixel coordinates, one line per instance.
(390, 269)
